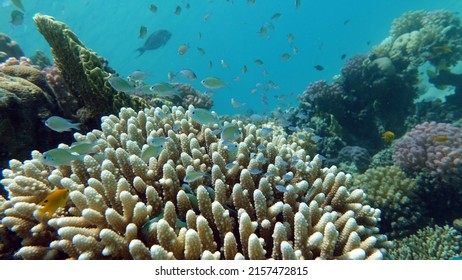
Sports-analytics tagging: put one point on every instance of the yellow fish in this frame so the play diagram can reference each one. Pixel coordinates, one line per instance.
(388, 136)
(53, 201)
(444, 49)
(440, 138)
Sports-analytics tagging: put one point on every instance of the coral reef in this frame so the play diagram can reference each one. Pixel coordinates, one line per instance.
(187, 96)
(420, 36)
(369, 98)
(24, 107)
(190, 96)
(444, 78)
(393, 192)
(84, 73)
(376, 91)
(9, 48)
(122, 207)
(429, 243)
(358, 157)
(382, 158)
(433, 147)
(28, 99)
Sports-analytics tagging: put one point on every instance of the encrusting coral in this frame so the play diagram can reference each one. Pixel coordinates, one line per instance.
(121, 207)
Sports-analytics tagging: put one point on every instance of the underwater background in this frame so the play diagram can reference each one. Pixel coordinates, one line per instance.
(371, 87)
(323, 32)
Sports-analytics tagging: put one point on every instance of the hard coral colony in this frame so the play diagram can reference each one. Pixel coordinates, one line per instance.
(166, 178)
(111, 203)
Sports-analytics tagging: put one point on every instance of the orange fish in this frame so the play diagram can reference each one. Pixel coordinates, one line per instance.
(53, 201)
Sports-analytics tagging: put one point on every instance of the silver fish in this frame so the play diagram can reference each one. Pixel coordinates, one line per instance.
(120, 84)
(194, 176)
(60, 124)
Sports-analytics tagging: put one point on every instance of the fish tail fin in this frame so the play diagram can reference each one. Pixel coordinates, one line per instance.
(76, 126)
(141, 50)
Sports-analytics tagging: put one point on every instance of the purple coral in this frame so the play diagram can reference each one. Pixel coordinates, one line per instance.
(352, 71)
(321, 93)
(436, 147)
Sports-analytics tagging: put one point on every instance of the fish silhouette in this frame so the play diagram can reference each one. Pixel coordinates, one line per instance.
(156, 40)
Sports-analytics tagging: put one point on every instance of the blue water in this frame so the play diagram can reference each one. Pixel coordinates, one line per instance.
(111, 28)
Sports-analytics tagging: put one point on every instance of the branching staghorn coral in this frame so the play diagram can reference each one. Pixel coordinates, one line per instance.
(429, 243)
(122, 207)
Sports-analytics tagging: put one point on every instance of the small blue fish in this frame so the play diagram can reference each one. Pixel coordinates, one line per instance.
(151, 151)
(287, 176)
(137, 76)
(120, 84)
(284, 163)
(321, 157)
(193, 176)
(186, 188)
(164, 90)
(230, 133)
(283, 122)
(157, 141)
(213, 83)
(161, 115)
(255, 118)
(83, 148)
(266, 131)
(203, 116)
(316, 138)
(255, 171)
(60, 124)
(216, 131)
(293, 128)
(281, 188)
(261, 147)
(262, 159)
(300, 115)
(57, 157)
(232, 147)
(193, 200)
(302, 137)
(176, 127)
(269, 174)
(188, 74)
(211, 192)
(230, 165)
